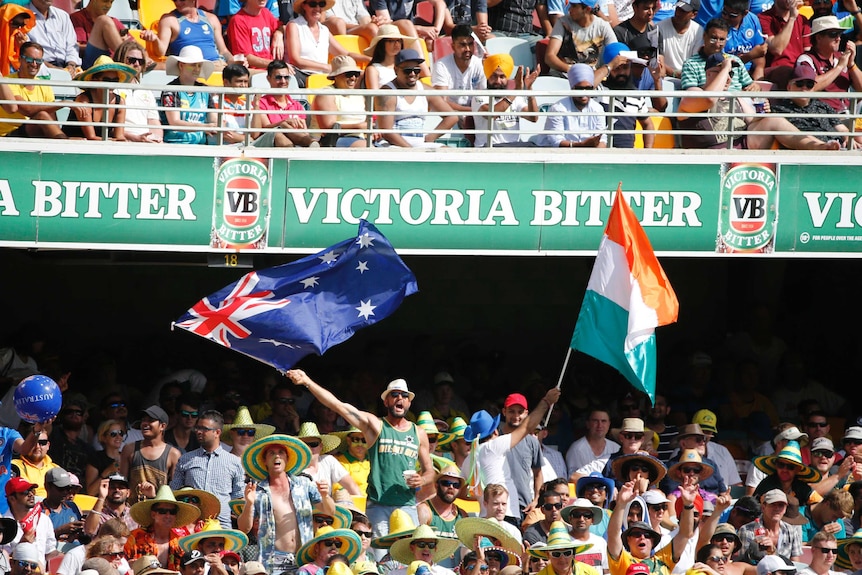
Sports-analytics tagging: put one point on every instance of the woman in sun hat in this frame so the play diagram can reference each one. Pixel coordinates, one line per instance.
(103, 70)
(158, 518)
(186, 109)
(314, 555)
(383, 49)
(641, 467)
(243, 431)
(324, 469)
(785, 471)
(346, 112)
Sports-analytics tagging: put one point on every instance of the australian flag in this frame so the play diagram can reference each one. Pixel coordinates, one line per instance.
(281, 314)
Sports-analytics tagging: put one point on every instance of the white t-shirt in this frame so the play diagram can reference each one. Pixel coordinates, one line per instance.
(349, 10)
(447, 75)
(675, 47)
(493, 469)
(581, 454)
(328, 469)
(506, 131)
(598, 550)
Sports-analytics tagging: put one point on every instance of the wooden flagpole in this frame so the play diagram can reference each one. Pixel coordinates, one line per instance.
(559, 384)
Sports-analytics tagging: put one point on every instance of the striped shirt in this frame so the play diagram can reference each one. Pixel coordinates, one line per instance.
(219, 472)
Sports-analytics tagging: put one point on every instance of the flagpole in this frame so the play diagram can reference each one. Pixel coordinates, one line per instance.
(559, 384)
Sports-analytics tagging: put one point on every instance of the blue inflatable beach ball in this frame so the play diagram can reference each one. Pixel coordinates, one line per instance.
(37, 399)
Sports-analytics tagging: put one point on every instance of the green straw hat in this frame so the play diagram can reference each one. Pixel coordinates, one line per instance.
(308, 430)
(559, 538)
(790, 454)
(457, 425)
(446, 547)
(234, 540)
(843, 558)
(254, 461)
(351, 545)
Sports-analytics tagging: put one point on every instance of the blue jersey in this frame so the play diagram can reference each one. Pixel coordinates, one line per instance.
(198, 34)
(8, 437)
(744, 39)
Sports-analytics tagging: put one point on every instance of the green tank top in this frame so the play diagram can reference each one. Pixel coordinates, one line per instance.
(393, 452)
(444, 527)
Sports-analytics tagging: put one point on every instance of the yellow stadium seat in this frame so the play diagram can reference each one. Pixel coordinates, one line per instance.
(665, 140)
(471, 507)
(150, 11)
(151, 46)
(352, 43)
(315, 82)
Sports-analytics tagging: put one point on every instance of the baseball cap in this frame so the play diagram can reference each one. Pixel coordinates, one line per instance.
(233, 554)
(408, 55)
(772, 563)
(588, 3)
(852, 433)
(655, 497)
(688, 6)
(516, 399)
(804, 72)
(443, 377)
(822, 443)
(774, 496)
(252, 568)
(18, 485)
(148, 565)
(714, 60)
(118, 477)
(791, 434)
(27, 552)
(191, 556)
(706, 420)
(637, 569)
(58, 477)
(156, 413)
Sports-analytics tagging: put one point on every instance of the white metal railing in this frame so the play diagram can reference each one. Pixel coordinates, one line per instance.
(455, 136)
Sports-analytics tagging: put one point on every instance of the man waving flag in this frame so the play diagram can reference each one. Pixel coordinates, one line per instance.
(627, 297)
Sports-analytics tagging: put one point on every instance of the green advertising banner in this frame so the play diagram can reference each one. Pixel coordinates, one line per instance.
(525, 204)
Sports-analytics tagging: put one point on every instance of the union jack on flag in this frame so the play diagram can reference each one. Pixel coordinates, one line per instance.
(281, 314)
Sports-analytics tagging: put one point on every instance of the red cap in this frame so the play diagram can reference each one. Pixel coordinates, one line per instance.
(233, 554)
(516, 399)
(637, 569)
(698, 504)
(18, 485)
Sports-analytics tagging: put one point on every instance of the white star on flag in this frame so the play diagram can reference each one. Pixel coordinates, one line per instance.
(362, 267)
(329, 258)
(309, 282)
(277, 343)
(365, 309)
(365, 240)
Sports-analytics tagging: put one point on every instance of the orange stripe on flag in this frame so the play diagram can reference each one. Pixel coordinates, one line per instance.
(625, 230)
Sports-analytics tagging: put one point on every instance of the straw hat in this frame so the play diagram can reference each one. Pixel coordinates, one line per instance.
(400, 526)
(508, 558)
(345, 500)
(342, 64)
(657, 473)
(350, 547)
(308, 430)
(187, 513)
(341, 518)
(583, 504)
(236, 506)
(339, 568)
(559, 538)
(189, 55)
(105, 64)
(208, 503)
(149, 565)
(344, 446)
(364, 567)
(790, 454)
(397, 385)
(690, 456)
(843, 559)
(467, 528)
(297, 6)
(457, 425)
(426, 422)
(233, 539)
(254, 462)
(387, 32)
(446, 547)
(243, 420)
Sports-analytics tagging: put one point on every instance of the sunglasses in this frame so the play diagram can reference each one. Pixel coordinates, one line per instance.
(426, 544)
(808, 85)
(42, 442)
(165, 511)
(140, 62)
(16, 25)
(365, 534)
(313, 442)
(444, 483)
(582, 87)
(581, 515)
(285, 400)
(717, 558)
(203, 429)
(853, 442)
(565, 553)
(30, 60)
(827, 550)
(284, 78)
(246, 432)
(433, 438)
(820, 452)
(189, 413)
(690, 470)
(782, 465)
(359, 439)
(115, 554)
(331, 543)
(482, 568)
(552, 506)
(639, 534)
(632, 435)
(117, 433)
(351, 75)
(315, 4)
(832, 34)
(193, 499)
(399, 394)
(27, 565)
(595, 487)
(409, 71)
(638, 467)
(117, 405)
(74, 412)
(323, 520)
(658, 506)
(108, 79)
(724, 537)
(819, 423)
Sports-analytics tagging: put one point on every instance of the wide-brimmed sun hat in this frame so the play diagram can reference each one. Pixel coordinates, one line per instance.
(397, 385)
(791, 455)
(105, 64)
(254, 461)
(467, 528)
(657, 473)
(654, 535)
(824, 24)
(343, 437)
(189, 55)
(341, 65)
(582, 504)
(456, 431)
(446, 547)
(351, 545)
(345, 500)
(507, 557)
(558, 539)
(186, 512)
(236, 506)
(341, 517)
(400, 526)
(208, 503)
(596, 477)
(243, 420)
(308, 430)
(387, 32)
(690, 457)
(426, 421)
(481, 425)
(843, 558)
(234, 540)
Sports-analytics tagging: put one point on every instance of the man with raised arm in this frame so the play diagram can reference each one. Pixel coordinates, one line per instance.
(395, 446)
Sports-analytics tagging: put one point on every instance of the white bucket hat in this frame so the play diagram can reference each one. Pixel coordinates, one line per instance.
(189, 55)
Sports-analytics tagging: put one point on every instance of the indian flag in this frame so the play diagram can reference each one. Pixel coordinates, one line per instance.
(627, 297)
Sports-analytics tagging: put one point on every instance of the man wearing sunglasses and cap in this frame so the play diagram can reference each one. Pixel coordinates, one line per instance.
(809, 114)
(395, 447)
